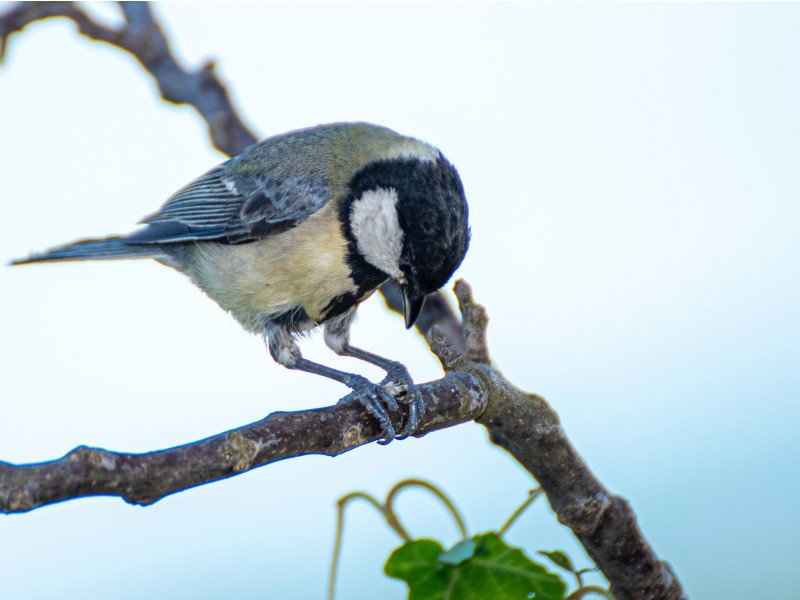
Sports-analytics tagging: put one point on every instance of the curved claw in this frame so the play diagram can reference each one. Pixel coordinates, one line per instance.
(416, 410)
(399, 380)
(375, 399)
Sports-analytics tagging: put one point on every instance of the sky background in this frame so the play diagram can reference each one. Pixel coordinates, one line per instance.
(633, 174)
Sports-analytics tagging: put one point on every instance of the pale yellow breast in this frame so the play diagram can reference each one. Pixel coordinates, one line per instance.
(303, 266)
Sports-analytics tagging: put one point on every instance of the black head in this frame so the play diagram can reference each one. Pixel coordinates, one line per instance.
(431, 211)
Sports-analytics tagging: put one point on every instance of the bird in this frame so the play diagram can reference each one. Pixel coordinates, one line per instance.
(299, 229)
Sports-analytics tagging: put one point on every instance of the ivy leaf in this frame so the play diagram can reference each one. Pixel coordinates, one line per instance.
(488, 569)
(559, 558)
(416, 562)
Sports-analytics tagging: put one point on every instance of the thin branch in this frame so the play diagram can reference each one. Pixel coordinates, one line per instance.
(142, 38)
(146, 478)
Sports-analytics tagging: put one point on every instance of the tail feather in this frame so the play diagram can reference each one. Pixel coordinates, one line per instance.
(101, 249)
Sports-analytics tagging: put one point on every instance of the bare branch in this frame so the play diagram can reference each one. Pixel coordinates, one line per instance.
(143, 39)
(146, 478)
(526, 426)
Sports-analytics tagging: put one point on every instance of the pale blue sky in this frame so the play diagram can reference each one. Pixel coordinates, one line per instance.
(633, 177)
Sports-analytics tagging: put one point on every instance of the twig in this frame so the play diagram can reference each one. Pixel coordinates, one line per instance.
(146, 478)
(143, 39)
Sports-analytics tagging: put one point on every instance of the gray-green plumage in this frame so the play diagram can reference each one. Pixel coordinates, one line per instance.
(300, 228)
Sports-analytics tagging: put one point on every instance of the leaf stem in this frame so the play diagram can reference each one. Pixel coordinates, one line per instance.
(387, 510)
(406, 483)
(337, 545)
(532, 496)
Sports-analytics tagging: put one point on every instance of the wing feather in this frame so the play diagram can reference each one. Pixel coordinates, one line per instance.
(233, 207)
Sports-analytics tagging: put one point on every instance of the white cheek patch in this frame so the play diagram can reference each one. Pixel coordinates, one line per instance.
(373, 220)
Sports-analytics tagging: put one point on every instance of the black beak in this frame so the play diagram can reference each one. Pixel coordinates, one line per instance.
(412, 304)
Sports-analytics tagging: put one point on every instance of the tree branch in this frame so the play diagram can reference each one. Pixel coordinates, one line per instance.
(526, 426)
(142, 38)
(146, 478)
(472, 389)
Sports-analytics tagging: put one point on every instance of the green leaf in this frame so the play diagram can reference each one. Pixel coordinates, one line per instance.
(559, 558)
(417, 563)
(490, 569)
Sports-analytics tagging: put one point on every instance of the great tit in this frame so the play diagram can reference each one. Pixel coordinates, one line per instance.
(299, 229)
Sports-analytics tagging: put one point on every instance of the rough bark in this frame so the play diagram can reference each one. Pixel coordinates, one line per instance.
(146, 478)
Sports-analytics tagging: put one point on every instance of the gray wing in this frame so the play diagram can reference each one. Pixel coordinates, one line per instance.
(232, 207)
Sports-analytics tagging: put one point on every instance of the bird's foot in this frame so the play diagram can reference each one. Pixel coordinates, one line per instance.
(399, 383)
(376, 400)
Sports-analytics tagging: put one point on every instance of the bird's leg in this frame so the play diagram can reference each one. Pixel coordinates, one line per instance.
(373, 397)
(337, 337)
